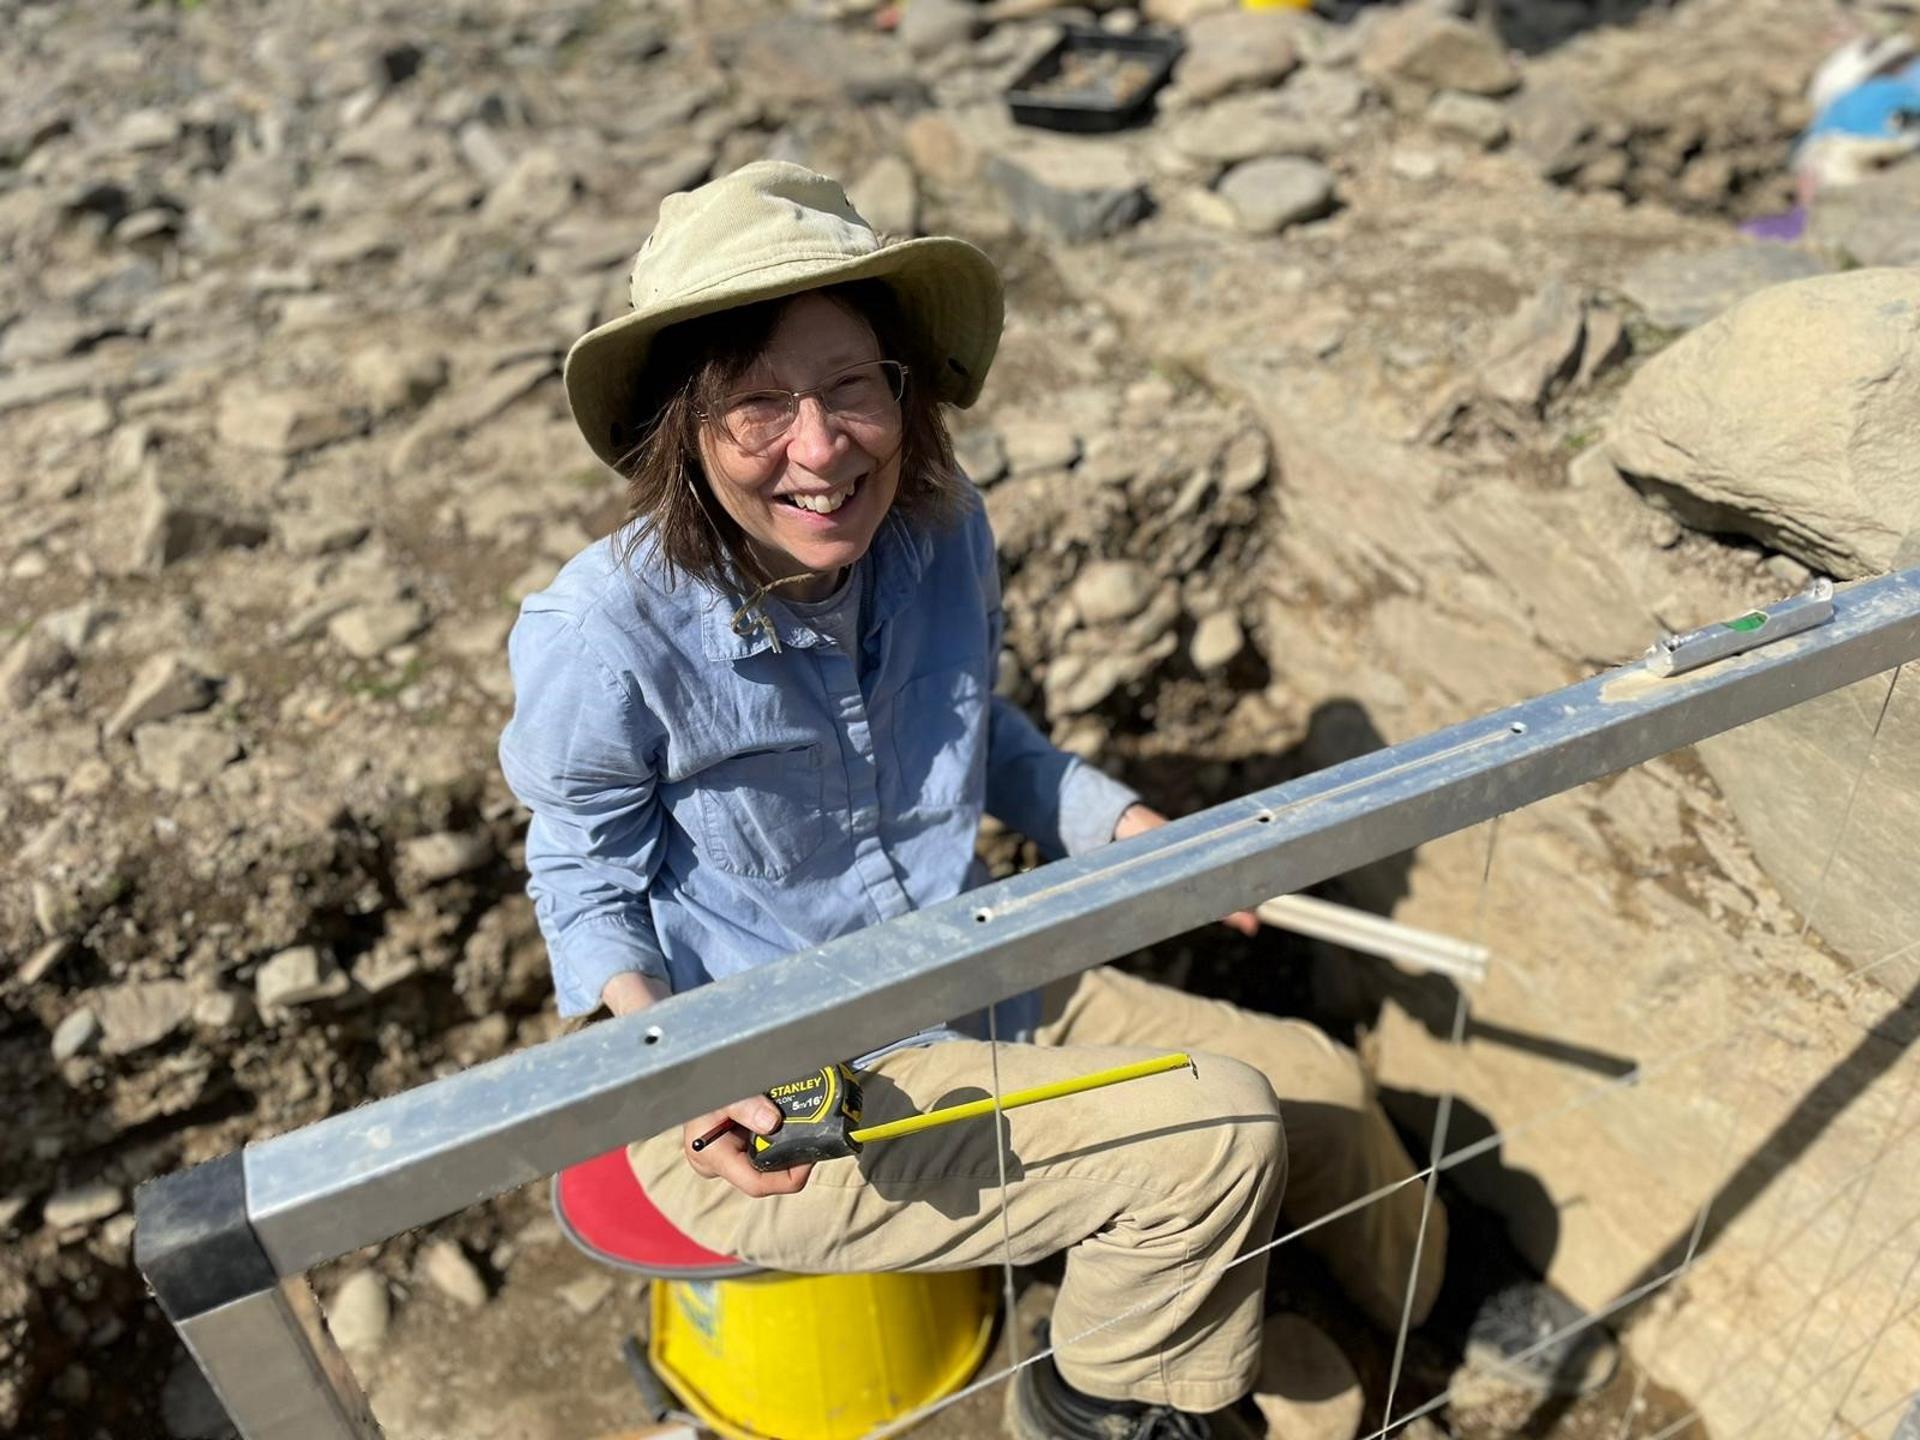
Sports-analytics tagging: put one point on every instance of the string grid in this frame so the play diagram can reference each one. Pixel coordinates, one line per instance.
(1794, 1366)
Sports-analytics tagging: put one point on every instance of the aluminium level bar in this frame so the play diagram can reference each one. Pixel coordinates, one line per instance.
(359, 1178)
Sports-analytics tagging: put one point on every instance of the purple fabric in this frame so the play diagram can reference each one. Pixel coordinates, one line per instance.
(1787, 228)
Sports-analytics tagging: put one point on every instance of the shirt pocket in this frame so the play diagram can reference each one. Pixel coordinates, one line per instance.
(939, 740)
(761, 812)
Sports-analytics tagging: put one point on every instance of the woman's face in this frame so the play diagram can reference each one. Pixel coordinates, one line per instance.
(842, 462)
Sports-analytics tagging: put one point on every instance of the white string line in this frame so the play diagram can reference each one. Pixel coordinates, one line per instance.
(1794, 1396)
(1860, 1200)
(1632, 1409)
(1799, 1177)
(1778, 1238)
(1047, 1351)
(1909, 1398)
(1002, 1142)
(1773, 1244)
(1853, 794)
(1823, 1287)
(1879, 1334)
(1640, 1374)
(1581, 1101)
(1442, 1120)
(1693, 1249)
(1630, 1414)
(1632, 1297)
(1769, 1250)
(1832, 1196)
(1866, 1344)
(1643, 1074)
(1457, 1157)
(1773, 1336)
(1906, 1098)
(1586, 1098)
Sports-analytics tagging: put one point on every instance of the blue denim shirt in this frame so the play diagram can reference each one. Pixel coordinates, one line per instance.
(704, 802)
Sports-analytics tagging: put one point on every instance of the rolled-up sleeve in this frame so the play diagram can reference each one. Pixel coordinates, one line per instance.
(1057, 800)
(577, 754)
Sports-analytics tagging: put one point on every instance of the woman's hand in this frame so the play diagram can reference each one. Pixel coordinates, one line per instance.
(1137, 819)
(725, 1156)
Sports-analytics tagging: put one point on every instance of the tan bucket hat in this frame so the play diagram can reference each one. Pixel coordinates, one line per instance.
(771, 229)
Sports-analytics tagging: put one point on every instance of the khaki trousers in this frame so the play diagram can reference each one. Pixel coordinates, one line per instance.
(1152, 1189)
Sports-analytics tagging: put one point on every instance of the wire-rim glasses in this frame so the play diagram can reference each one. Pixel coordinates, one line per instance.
(869, 391)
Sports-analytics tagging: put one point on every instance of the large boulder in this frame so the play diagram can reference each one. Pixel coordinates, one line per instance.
(1792, 418)
(1797, 777)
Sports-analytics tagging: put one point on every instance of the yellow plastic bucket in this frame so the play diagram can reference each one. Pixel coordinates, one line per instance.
(1276, 4)
(818, 1357)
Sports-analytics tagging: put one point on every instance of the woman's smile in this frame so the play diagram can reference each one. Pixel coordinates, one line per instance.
(821, 502)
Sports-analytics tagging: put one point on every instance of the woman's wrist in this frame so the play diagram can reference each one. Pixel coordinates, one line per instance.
(631, 991)
(1137, 819)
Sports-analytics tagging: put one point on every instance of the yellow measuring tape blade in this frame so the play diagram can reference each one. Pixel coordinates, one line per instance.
(912, 1124)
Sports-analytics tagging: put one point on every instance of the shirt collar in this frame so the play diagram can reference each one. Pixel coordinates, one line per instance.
(898, 555)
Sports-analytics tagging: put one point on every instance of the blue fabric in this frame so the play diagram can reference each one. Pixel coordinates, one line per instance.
(1881, 108)
(704, 803)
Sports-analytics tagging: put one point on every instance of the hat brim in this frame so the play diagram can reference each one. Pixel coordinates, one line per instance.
(949, 291)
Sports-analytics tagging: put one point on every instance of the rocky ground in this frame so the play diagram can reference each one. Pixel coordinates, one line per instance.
(1291, 450)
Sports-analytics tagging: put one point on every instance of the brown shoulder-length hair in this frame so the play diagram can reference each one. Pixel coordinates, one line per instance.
(693, 366)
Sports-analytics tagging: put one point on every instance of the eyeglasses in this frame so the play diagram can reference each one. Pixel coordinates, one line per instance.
(870, 391)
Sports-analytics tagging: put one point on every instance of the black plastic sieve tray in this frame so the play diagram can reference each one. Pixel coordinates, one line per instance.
(1090, 80)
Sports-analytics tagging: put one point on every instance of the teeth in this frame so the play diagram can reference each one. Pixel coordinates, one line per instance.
(822, 504)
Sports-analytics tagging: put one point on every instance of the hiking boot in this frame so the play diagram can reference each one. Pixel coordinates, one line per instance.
(1042, 1406)
(1515, 1319)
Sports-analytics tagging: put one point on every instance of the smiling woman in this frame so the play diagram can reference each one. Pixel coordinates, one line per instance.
(761, 716)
